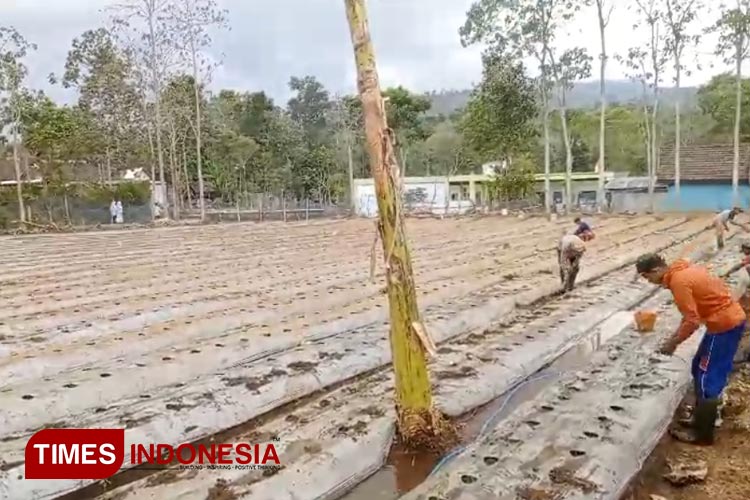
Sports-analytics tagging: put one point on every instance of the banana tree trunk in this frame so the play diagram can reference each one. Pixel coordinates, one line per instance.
(419, 424)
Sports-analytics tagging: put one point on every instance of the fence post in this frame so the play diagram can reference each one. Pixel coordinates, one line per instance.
(260, 208)
(283, 206)
(238, 210)
(307, 209)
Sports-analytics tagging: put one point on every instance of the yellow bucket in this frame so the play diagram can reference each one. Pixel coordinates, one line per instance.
(645, 321)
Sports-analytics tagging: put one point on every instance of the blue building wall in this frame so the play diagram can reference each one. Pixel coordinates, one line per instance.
(705, 197)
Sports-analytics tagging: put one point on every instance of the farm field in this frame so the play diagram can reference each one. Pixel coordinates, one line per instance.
(179, 333)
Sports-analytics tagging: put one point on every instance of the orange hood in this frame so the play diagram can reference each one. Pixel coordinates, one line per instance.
(676, 266)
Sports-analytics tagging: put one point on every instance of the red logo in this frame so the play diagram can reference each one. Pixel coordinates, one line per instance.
(74, 453)
(99, 454)
(703, 365)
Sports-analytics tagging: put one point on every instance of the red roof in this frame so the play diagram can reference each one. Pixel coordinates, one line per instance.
(704, 162)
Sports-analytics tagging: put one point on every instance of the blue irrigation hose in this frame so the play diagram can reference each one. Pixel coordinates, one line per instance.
(483, 431)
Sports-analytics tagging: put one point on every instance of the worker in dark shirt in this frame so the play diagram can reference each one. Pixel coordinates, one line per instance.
(583, 230)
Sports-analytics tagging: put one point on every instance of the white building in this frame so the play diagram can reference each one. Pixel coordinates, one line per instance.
(462, 193)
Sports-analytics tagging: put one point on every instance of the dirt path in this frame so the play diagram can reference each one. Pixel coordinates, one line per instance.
(728, 461)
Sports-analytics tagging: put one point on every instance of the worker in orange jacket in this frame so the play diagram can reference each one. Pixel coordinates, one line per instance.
(703, 299)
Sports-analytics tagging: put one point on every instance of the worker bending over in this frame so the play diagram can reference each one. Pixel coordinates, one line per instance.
(741, 294)
(720, 224)
(702, 299)
(570, 250)
(583, 230)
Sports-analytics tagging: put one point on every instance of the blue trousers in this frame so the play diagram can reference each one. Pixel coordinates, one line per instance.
(714, 361)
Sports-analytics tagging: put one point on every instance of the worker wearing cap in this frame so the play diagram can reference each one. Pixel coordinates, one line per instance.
(583, 230)
(720, 224)
(702, 298)
(570, 250)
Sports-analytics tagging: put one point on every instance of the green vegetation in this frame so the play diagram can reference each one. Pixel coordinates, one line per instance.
(135, 110)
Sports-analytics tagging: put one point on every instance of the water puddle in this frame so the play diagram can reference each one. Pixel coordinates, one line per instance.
(404, 471)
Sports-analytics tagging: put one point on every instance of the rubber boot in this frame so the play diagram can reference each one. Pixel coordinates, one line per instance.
(686, 420)
(573, 268)
(572, 278)
(702, 430)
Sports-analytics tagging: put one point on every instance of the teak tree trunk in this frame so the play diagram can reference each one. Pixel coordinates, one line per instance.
(198, 147)
(603, 22)
(568, 157)
(677, 132)
(17, 172)
(737, 125)
(350, 167)
(419, 424)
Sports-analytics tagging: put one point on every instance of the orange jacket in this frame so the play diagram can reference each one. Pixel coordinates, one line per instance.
(702, 298)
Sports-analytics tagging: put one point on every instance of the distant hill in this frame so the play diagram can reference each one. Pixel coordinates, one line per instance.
(583, 95)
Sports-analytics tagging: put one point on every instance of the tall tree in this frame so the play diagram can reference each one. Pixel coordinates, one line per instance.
(446, 152)
(178, 101)
(604, 10)
(101, 73)
(499, 119)
(346, 118)
(309, 107)
(13, 49)
(572, 66)
(527, 28)
(651, 63)
(54, 134)
(57, 136)
(678, 16)
(405, 111)
(637, 63)
(419, 423)
(733, 29)
(192, 21)
(717, 99)
(151, 39)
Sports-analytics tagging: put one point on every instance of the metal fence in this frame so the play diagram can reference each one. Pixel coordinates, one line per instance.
(262, 207)
(70, 210)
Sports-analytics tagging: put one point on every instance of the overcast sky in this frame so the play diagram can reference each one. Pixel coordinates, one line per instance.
(416, 42)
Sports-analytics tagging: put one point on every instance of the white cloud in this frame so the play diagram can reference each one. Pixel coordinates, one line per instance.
(416, 42)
